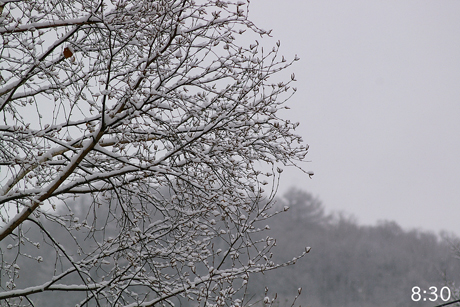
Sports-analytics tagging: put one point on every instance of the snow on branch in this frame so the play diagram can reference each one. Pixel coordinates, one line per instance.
(137, 139)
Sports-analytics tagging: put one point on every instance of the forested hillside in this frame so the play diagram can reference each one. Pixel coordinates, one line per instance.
(348, 265)
(353, 265)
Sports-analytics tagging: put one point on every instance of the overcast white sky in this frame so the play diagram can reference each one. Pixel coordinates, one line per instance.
(379, 103)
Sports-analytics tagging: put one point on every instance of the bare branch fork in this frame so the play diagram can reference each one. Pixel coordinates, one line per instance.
(137, 139)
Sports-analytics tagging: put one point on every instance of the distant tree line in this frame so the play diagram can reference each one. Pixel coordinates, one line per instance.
(348, 265)
(353, 265)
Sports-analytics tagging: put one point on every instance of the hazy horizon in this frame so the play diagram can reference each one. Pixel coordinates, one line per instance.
(378, 102)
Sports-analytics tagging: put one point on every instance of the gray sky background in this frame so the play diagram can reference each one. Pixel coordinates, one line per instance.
(379, 104)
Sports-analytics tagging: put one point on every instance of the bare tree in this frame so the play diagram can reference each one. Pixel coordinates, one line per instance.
(158, 112)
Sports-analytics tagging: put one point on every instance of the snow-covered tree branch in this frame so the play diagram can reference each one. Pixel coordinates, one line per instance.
(165, 121)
